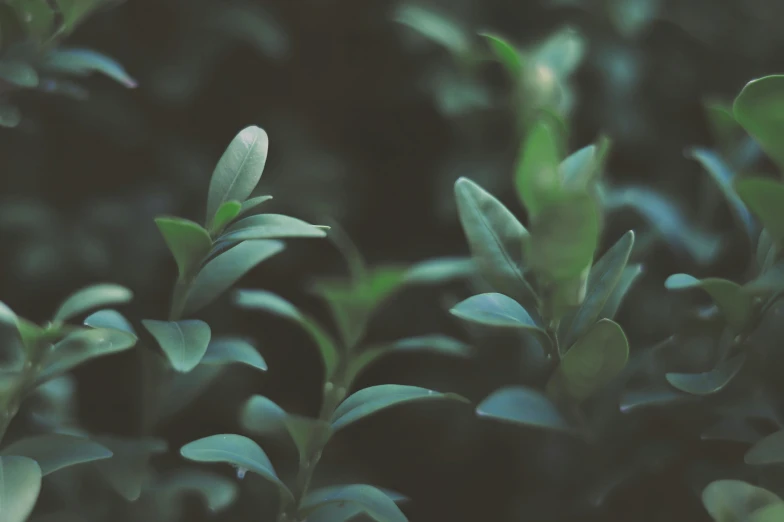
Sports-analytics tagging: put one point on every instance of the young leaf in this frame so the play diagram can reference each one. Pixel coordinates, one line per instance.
(735, 500)
(109, 319)
(496, 240)
(236, 450)
(769, 450)
(602, 281)
(55, 451)
(92, 297)
(370, 400)
(238, 171)
(127, 470)
(523, 405)
(628, 277)
(226, 269)
(439, 270)
(592, 362)
(537, 177)
(270, 226)
(252, 203)
(269, 302)
(765, 197)
(736, 305)
(184, 342)
(82, 62)
(708, 382)
(369, 499)
(188, 242)
(227, 350)
(507, 55)
(20, 483)
(579, 168)
(759, 108)
(227, 212)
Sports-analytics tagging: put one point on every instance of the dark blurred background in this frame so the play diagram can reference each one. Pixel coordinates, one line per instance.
(370, 123)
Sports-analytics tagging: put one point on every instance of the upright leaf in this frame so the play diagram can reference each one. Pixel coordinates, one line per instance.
(252, 203)
(507, 55)
(630, 274)
(188, 242)
(55, 451)
(537, 178)
(20, 483)
(579, 169)
(759, 108)
(525, 406)
(184, 342)
(93, 296)
(227, 212)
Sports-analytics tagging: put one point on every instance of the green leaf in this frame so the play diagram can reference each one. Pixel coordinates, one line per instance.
(260, 415)
(304, 430)
(564, 237)
(239, 451)
(537, 178)
(498, 310)
(628, 278)
(736, 305)
(28, 331)
(633, 400)
(765, 197)
(252, 203)
(269, 302)
(735, 500)
(225, 350)
(111, 319)
(188, 242)
(496, 240)
(771, 513)
(370, 400)
(523, 405)
(82, 62)
(217, 491)
(55, 451)
(36, 16)
(439, 270)
(128, 468)
(184, 388)
(770, 282)
(238, 171)
(93, 296)
(579, 169)
(20, 74)
(759, 108)
(227, 212)
(594, 360)
(766, 251)
(602, 281)
(270, 226)
(434, 26)
(369, 499)
(506, 53)
(184, 342)
(708, 382)
(82, 346)
(10, 115)
(20, 483)
(769, 450)
(226, 269)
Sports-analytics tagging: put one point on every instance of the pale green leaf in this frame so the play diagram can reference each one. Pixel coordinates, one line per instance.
(93, 296)
(184, 342)
(55, 451)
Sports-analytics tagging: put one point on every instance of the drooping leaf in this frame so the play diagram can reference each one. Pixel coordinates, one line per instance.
(227, 212)
(628, 277)
(55, 451)
(93, 296)
(239, 451)
(226, 269)
(523, 405)
(765, 198)
(604, 277)
(270, 226)
(109, 319)
(769, 450)
(127, 470)
(188, 242)
(735, 500)
(736, 306)
(496, 240)
(708, 382)
(537, 178)
(759, 108)
(20, 483)
(238, 171)
(184, 342)
(225, 350)
(252, 203)
(82, 62)
(439, 270)
(594, 360)
(370, 400)
(369, 499)
(506, 54)
(269, 302)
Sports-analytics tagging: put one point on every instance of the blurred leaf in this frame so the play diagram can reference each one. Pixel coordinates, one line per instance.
(184, 388)
(93, 296)
(537, 178)
(260, 415)
(36, 16)
(508, 56)
(226, 269)
(579, 169)
(188, 242)
(561, 52)
(769, 450)
(496, 239)
(270, 226)
(111, 319)
(708, 382)
(225, 350)
(439, 270)
(28, 331)
(731, 429)
(127, 470)
(252, 203)
(736, 306)
(55, 451)
(734, 500)
(770, 513)
(10, 116)
(239, 451)
(522, 405)
(594, 360)
(20, 483)
(633, 400)
(370, 400)
(604, 277)
(766, 251)
(82, 62)
(759, 108)
(765, 197)
(238, 171)
(20, 74)
(770, 282)
(303, 431)
(371, 500)
(628, 277)
(434, 26)
(723, 126)
(269, 302)
(217, 491)
(184, 342)
(225, 215)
